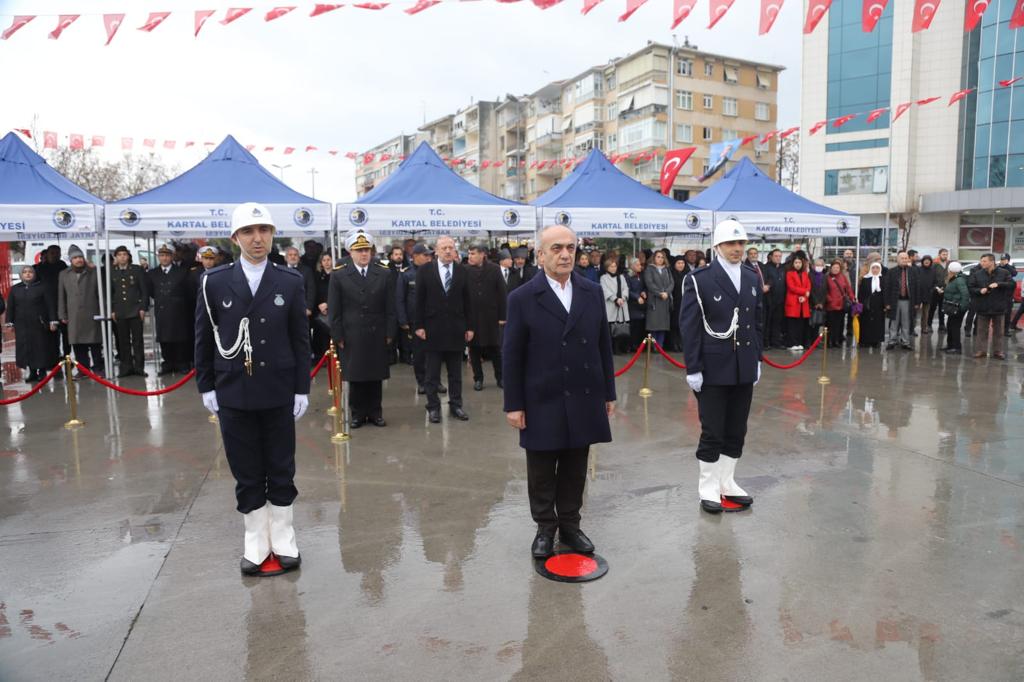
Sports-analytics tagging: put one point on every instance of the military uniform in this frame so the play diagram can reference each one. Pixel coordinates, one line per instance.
(361, 311)
(171, 292)
(405, 310)
(722, 340)
(129, 297)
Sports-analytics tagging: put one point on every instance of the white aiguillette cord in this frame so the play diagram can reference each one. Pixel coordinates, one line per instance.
(242, 341)
(733, 326)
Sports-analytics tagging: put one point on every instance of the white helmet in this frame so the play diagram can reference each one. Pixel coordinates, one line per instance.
(729, 231)
(249, 214)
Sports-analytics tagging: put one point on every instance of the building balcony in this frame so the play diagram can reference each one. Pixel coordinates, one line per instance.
(551, 140)
(643, 112)
(550, 171)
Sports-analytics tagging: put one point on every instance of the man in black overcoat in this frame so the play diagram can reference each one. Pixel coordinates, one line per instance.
(488, 293)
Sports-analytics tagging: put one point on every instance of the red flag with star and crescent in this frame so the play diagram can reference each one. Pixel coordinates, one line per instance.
(112, 22)
(769, 13)
(675, 159)
(49, 139)
(154, 20)
(871, 12)
(718, 8)
(18, 23)
(924, 12)
(1017, 18)
(63, 22)
(975, 8)
(816, 10)
(682, 8)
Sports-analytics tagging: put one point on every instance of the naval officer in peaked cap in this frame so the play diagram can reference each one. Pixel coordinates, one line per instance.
(252, 369)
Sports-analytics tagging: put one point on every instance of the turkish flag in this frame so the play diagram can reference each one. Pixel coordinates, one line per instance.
(25, 131)
(682, 9)
(817, 126)
(63, 22)
(533, 164)
(975, 8)
(201, 16)
(190, 143)
(875, 114)
(959, 95)
(1007, 83)
(149, 142)
(788, 131)
(234, 13)
(351, 155)
(169, 144)
(278, 12)
(543, 4)
(924, 12)
(815, 11)
(769, 135)
(76, 141)
(631, 6)
(718, 10)
(333, 152)
(155, 19)
(769, 13)
(98, 140)
(371, 5)
(486, 163)
(871, 12)
(19, 21)
(1017, 18)
(385, 157)
(421, 5)
(310, 148)
(929, 100)
(748, 139)
(319, 9)
(289, 150)
(673, 163)
(843, 120)
(126, 144)
(268, 149)
(368, 158)
(49, 139)
(900, 110)
(589, 5)
(112, 22)
(499, 164)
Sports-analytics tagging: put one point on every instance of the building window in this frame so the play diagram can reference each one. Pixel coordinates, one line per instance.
(610, 82)
(709, 69)
(857, 144)
(762, 112)
(684, 100)
(684, 133)
(764, 81)
(612, 142)
(707, 134)
(730, 106)
(729, 134)
(705, 170)
(730, 74)
(684, 67)
(859, 71)
(709, 102)
(642, 134)
(872, 180)
(613, 111)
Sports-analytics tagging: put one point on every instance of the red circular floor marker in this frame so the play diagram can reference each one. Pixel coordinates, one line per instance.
(571, 567)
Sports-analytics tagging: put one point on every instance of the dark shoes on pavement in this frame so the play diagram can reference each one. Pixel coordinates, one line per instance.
(459, 414)
(478, 385)
(543, 546)
(576, 540)
(434, 416)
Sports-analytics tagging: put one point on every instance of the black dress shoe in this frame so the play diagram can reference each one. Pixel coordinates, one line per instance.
(741, 500)
(249, 568)
(124, 373)
(459, 414)
(378, 421)
(907, 346)
(576, 541)
(478, 385)
(141, 373)
(420, 390)
(442, 389)
(357, 422)
(289, 563)
(500, 383)
(711, 507)
(890, 346)
(434, 416)
(543, 546)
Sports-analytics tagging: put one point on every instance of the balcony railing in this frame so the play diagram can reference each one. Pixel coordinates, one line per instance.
(643, 112)
(549, 140)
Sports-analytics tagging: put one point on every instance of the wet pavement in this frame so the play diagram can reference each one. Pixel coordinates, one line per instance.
(886, 540)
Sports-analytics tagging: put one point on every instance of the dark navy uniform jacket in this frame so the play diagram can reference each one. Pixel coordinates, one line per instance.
(724, 362)
(557, 366)
(279, 331)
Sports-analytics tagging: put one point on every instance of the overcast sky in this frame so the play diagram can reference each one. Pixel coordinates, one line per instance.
(345, 80)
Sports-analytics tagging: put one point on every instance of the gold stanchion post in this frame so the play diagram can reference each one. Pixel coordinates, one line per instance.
(823, 379)
(340, 434)
(646, 391)
(69, 381)
(332, 355)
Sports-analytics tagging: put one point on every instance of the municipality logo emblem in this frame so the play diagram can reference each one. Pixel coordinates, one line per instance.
(303, 217)
(129, 217)
(510, 217)
(278, 299)
(842, 227)
(358, 217)
(63, 218)
(693, 221)
(563, 218)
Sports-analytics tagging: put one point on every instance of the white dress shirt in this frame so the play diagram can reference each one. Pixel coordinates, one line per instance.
(443, 269)
(564, 294)
(253, 273)
(733, 270)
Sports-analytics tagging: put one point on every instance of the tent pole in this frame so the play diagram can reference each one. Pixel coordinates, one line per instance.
(157, 356)
(105, 308)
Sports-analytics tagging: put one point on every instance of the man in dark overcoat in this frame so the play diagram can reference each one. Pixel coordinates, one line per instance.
(488, 292)
(172, 295)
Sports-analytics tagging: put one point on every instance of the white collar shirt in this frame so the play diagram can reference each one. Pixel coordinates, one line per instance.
(564, 294)
(253, 273)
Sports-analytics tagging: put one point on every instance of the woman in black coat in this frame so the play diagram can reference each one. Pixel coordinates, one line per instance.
(321, 328)
(679, 269)
(33, 314)
(872, 319)
(637, 304)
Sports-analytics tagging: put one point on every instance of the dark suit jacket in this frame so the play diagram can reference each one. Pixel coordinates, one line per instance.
(724, 362)
(487, 290)
(445, 316)
(278, 328)
(309, 282)
(172, 297)
(557, 366)
(362, 316)
(891, 287)
(519, 277)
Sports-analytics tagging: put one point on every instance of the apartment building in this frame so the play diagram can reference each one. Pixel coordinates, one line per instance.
(378, 163)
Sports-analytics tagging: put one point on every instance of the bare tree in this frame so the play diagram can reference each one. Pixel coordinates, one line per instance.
(108, 180)
(789, 162)
(906, 226)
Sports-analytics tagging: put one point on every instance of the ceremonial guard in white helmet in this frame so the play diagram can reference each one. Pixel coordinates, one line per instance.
(722, 339)
(252, 369)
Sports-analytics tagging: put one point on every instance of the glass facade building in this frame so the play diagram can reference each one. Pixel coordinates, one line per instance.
(859, 67)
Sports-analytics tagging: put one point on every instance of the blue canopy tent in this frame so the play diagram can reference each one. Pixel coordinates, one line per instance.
(199, 202)
(424, 196)
(37, 202)
(766, 208)
(597, 199)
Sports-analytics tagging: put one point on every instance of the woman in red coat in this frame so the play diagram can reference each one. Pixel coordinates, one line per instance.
(837, 299)
(798, 307)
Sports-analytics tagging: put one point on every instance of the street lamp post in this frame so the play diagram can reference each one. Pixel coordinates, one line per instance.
(281, 169)
(312, 179)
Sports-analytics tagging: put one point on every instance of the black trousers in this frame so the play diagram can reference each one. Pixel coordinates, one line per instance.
(835, 328)
(176, 355)
(260, 447)
(936, 309)
(321, 339)
(419, 360)
(798, 331)
(773, 323)
(364, 399)
(432, 367)
(555, 480)
(477, 354)
(129, 343)
(723, 412)
(90, 355)
(637, 332)
(953, 324)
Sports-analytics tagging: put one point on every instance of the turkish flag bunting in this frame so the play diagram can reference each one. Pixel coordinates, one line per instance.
(98, 140)
(924, 12)
(209, 144)
(843, 120)
(371, 5)
(126, 143)
(368, 158)
(25, 131)
(486, 163)
(817, 126)
(289, 150)
(900, 110)
(682, 9)
(351, 155)
(234, 13)
(928, 100)
(499, 164)
(789, 131)
(169, 144)
(268, 149)
(871, 12)
(543, 4)
(49, 139)
(421, 5)
(631, 6)
(959, 95)
(63, 22)
(155, 19)
(76, 141)
(310, 148)
(769, 135)
(112, 22)
(1017, 18)
(19, 21)
(190, 143)
(469, 162)
(148, 142)
(250, 147)
(385, 157)
(673, 163)
(876, 114)
(533, 164)
(201, 16)
(975, 8)
(815, 11)
(748, 139)
(589, 5)
(319, 9)
(769, 13)
(333, 152)
(718, 10)
(1007, 83)
(278, 12)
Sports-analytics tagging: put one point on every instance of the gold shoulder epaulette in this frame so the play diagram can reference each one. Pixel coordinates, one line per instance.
(339, 267)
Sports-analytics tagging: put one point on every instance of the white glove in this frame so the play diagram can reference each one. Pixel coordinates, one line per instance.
(695, 380)
(758, 373)
(210, 401)
(301, 403)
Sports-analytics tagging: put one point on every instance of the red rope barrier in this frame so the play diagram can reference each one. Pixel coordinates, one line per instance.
(35, 389)
(323, 358)
(657, 347)
(128, 391)
(799, 361)
(632, 360)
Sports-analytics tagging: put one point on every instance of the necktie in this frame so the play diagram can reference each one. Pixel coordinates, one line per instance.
(362, 271)
(447, 278)
(903, 282)
(504, 273)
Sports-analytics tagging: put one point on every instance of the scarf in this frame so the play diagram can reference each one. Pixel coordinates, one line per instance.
(876, 281)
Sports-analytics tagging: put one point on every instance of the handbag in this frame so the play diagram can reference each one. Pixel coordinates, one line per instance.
(817, 317)
(619, 327)
(950, 308)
